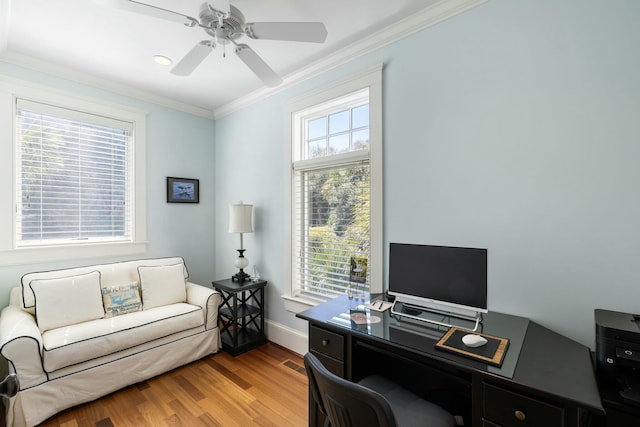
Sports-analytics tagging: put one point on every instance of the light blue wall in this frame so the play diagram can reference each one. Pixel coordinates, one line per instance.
(178, 144)
(514, 126)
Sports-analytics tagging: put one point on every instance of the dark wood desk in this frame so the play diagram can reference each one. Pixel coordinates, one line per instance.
(545, 378)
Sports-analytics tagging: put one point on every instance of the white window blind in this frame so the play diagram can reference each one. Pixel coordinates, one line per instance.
(73, 175)
(331, 196)
(332, 220)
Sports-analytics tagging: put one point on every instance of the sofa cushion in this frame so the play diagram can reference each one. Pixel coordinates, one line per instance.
(89, 340)
(67, 300)
(123, 299)
(162, 285)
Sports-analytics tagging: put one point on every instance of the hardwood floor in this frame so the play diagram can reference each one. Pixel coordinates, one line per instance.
(266, 386)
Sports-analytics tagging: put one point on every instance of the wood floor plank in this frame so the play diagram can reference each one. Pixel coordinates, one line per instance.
(228, 373)
(151, 414)
(185, 399)
(237, 401)
(208, 421)
(266, 386)
(155, 406)
(105, 423)
(262, 377)
(184, 414)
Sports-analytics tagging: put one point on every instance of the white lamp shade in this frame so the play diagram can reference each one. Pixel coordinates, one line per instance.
(240, 218)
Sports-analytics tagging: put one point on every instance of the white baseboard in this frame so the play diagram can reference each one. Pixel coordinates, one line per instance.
(285, 336)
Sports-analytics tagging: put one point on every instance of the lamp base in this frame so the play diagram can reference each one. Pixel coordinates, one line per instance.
(241, 262)
(240, 276)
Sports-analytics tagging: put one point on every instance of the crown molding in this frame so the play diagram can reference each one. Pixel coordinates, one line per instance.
(425, 18)
(99, 83)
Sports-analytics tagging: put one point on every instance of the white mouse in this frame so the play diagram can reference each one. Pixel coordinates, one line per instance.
(473, 340)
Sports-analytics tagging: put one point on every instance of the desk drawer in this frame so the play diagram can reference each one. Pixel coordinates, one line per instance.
(325, 342)
(515, 410)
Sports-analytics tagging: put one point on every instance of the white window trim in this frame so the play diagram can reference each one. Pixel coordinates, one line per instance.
(10, 89)
(371, 78)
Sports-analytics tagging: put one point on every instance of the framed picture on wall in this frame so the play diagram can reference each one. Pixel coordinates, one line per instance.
(183, 190)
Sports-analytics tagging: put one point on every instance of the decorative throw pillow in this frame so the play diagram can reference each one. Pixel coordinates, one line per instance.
(162, 285)
(67, 300)
(123, 299)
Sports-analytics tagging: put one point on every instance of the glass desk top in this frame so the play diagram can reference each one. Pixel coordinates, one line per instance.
(422, 336)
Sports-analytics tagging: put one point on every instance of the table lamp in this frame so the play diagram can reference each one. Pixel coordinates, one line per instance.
(240, 222)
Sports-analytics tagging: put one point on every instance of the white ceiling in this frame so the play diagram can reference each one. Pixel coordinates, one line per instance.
(87, 38)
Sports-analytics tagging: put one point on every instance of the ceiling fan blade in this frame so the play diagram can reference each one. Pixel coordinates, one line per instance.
(314, 32)
(146, 9)
(220, 6)
(192, 59)
(258, 66)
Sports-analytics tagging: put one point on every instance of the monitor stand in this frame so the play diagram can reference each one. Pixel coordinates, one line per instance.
(430, 315)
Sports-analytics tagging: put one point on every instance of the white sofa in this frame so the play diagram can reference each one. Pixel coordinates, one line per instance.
(77, 334)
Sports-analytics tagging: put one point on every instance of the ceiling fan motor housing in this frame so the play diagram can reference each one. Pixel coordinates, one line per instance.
(231, 28)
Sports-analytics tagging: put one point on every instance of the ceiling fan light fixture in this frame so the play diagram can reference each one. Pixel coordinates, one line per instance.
(162, 60)
(224, 23)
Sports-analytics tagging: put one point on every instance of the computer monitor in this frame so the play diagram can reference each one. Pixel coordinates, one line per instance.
(442, 278)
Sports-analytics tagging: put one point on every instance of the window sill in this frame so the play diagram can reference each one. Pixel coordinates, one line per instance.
(36, 255)
(297, 304)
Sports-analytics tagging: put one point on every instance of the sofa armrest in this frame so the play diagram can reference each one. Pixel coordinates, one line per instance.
(21, 345)
(207, 298)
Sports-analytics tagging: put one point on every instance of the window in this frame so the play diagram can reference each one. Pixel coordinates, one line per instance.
(77, 168)
(73, 172)
(336, 189)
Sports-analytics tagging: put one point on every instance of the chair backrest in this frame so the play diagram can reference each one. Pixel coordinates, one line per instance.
(346, 404)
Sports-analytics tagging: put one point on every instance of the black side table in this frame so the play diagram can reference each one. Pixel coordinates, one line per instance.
(241, 314)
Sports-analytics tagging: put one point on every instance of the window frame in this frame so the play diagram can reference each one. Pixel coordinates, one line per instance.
(371, 79)
(10, 253)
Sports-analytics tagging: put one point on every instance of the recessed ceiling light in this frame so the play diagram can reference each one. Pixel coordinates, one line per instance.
(162, 60)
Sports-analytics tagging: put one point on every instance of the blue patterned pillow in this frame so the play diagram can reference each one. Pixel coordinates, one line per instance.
(121, 299)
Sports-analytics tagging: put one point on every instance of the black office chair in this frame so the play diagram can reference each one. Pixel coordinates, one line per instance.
(374, 401)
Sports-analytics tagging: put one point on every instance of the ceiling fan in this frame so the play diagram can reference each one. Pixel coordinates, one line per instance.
(225, 24)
